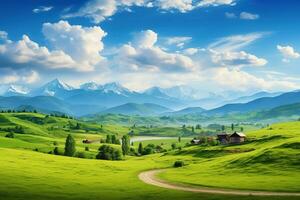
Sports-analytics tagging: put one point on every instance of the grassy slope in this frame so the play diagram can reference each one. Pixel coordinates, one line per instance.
(31, 175)
(270, 162)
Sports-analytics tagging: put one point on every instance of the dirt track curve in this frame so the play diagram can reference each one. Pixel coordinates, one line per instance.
(150, 178)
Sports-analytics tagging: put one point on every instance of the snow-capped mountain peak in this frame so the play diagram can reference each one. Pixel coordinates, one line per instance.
(17, 90)
(115, 87)
(57, 84)
(90, 86)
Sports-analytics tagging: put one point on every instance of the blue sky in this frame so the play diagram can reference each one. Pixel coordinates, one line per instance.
(211, 45)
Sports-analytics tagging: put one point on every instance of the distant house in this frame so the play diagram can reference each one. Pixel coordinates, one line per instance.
(86, 141)
(223, 138)
(237, 138)
(234, 138)
(195, 141)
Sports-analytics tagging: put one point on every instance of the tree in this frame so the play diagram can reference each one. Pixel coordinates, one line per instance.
(232, 127)
(113, 139)
(179, 139)
(193, 129)
(108, 139)
(77, 126)
(125, 144)
(70, 148)
(223, 128)
(107, 152)
(242, 129)
(140, 149)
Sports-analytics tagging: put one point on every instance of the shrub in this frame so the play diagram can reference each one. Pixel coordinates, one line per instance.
(178, 163)
(86, 148)
(81, 155)
(107, 152)
(55, 143)
(10, 135)
(55, 151)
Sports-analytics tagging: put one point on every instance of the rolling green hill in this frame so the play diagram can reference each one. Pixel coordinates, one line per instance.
(269, 161)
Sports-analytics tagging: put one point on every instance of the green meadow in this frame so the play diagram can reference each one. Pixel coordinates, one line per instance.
(268, 161)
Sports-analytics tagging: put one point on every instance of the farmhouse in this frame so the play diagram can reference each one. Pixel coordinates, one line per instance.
(223, 138)
(237, 138)
(234, 138)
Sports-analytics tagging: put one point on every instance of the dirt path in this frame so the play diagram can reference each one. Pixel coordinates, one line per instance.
(150, 178)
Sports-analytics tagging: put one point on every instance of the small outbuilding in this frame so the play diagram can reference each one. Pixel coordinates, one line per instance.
(195, 141)
(237, 138)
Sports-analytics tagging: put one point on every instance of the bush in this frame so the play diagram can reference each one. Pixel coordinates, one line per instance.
(10, 135)
(86, 148)
(81, 155)
(55, 143)
(178, 163)
(107, 152)
(55, 151)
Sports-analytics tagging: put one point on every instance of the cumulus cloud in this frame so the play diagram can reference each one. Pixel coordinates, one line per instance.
(248, 16)
(190, 51)
(26, 52)
(237, 59)
(8, 76)
(229, 78)
(288, 53)
(99, 10)
(82, 44)
(42, 9)
(143, 54)
(3, 35)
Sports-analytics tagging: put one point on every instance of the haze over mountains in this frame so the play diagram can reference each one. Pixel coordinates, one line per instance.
(91, 98)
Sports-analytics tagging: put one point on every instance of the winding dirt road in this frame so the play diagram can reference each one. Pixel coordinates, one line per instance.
(150, 178)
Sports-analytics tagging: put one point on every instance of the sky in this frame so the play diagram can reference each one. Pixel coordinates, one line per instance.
(212, 46)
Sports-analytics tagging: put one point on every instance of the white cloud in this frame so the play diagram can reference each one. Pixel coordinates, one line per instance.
(178, 41)
(234, 79)
(207, 3)
(236, 42)
(248, 16)
(145, 39)
(230, 15)
(99, 10)
(3, 35)
(25, 53)
(288, 53)
(42, 9)
(237, 59)
(143, 54)
(82, 44)
(180, 5)
(8, 76)
(190, 51)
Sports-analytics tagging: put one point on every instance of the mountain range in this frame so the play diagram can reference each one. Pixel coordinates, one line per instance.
(92, 98)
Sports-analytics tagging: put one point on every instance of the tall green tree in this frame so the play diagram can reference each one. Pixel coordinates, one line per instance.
(70, 148)
(125, 144)
(140, 149)
(232, 127)
(113, 139)
(108, 139)
(179, 139)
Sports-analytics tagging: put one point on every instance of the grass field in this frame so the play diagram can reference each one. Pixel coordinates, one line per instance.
(270, 161)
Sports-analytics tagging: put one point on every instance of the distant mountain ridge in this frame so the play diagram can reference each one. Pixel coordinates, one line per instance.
(146, 109)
